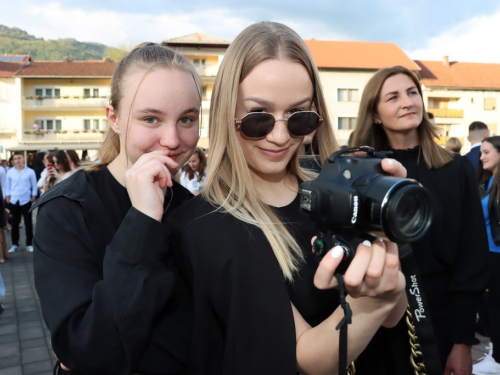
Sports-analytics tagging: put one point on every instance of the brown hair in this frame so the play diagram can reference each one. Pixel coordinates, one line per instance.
(367, 133)
(146, 57)
(201, 166)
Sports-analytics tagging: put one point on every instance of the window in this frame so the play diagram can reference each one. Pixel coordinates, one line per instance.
(199, 62)
(490, 104)
(47, 92)
(49, 124)
(91, 93)
(348, 95)
(94, 124)
(347, 123)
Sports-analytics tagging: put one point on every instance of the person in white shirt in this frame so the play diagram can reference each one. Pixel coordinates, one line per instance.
(20, 193)
(193, 174)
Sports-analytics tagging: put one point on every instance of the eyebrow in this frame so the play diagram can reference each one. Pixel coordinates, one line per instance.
(160, 112)
(395, 92)
(267, 103)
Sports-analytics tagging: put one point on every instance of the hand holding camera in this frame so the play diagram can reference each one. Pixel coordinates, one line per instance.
(352, 199)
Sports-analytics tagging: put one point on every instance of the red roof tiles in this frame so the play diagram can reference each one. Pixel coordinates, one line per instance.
(460, 75)
(89, 68)
(8, 68)
(358, 55)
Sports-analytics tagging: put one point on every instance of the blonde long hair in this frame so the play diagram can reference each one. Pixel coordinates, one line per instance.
(369, 134)
(229, 184)
(146, 57)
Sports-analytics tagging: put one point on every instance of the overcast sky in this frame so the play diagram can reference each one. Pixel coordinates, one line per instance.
(464, 30)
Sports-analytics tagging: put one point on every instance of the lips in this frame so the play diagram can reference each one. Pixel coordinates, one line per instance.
(409, 114)
(274, 154)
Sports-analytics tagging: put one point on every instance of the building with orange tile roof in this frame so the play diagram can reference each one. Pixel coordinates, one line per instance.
(458, 93)
(206, 53)
(52, 104)
(345, 68)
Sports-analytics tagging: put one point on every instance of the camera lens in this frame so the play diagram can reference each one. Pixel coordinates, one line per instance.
(406, 212)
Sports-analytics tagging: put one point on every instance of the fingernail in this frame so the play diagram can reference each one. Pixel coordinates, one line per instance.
(380, 239)
(390, 162)
(337, 251)
(367, 243)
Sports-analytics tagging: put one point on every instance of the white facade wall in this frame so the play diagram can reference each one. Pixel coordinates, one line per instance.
(332, 81)
(10, 114)
(471, 102)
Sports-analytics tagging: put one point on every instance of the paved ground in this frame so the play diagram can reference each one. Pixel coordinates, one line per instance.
(24, 338)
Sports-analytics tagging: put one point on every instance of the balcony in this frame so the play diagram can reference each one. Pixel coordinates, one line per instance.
(447, 113)
(63, 103)
(62, 136)
(206, 71)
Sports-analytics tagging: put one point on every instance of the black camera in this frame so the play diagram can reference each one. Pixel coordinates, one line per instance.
(352, 198)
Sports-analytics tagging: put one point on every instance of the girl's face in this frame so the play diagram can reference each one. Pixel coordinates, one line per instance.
(194, 162)
(490, 157)
(278, 87)
(164, 115)
(45, 160)
(400, 107)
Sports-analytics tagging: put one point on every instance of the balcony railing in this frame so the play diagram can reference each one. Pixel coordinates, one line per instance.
(447, 113)
(63, 102)
(207, 71)
(61, 136)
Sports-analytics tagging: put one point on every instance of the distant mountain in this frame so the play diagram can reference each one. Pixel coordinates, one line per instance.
(17, 41)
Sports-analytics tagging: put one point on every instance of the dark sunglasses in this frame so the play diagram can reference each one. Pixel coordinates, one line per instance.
(256, 125)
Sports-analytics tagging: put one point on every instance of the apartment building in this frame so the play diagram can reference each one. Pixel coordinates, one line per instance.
(206, 53)
(458, 93)
(60, 104)
(344, 69)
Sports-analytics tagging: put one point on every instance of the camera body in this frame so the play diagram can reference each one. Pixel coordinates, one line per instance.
(352, 198)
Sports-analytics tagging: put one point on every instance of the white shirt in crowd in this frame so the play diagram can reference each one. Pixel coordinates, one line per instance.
(21, 185)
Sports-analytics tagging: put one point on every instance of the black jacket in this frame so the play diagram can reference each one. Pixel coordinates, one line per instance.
(107, 298)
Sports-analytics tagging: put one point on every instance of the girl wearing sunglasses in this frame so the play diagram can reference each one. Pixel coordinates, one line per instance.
(244, 246)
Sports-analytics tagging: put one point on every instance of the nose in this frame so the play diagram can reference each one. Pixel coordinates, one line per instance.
(279, 135)
(406, 101)
(170, 136)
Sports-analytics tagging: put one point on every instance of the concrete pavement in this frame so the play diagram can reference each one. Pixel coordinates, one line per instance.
(25, 340)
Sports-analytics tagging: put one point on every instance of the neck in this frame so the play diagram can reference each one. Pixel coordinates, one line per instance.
(20, 168)
(403, 140)
(118, 167)
(277, 190)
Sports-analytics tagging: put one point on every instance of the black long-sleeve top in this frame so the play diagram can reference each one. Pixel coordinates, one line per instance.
(106, 292)
(453, 255)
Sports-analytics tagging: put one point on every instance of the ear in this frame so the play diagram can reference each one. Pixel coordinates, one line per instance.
(375, 119)
(112, 117)
(468, 138)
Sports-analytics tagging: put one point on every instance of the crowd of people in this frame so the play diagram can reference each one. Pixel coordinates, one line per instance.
(160, 259)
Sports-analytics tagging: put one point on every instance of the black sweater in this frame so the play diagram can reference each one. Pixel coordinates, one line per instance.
(452, 256)
(107, 295)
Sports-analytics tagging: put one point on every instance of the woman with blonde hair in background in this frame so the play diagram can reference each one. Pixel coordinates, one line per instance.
(244, 246)
(101, 243)
(452, 256)
(453, 144)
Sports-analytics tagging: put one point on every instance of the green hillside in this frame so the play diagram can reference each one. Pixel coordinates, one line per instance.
(17, 41)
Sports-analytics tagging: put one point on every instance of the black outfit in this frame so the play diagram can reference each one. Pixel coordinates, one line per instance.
(243, 320)
(473, 155)
(17, 211)
(453, 255)
(106, 292)
(3, 217)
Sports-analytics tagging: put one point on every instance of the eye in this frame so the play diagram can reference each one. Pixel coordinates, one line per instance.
(151, 120)
(258, 110)
(295, 110)
(394, 97)
(414, 92)
(185, 120)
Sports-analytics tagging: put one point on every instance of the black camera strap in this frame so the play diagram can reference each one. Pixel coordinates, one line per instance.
(420, 311)
(346, 320)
